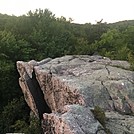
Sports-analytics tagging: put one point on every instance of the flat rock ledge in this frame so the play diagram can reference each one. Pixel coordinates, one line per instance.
(66, 92)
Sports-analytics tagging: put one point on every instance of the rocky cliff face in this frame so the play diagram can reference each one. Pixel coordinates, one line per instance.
(80, 94)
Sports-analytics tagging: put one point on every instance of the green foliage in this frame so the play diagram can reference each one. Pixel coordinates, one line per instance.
(12, 113)
(99, 114)
(33, 127)
(113, 44)
(9, 88)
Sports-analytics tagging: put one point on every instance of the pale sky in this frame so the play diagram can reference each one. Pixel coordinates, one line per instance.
(81, 11)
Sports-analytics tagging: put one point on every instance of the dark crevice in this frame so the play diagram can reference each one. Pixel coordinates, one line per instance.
(37, 94)
(102, 83)
(108, 71)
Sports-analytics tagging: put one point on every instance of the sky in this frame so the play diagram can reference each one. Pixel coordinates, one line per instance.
(81, 11)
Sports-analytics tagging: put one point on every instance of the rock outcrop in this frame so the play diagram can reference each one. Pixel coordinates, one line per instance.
(66, 92)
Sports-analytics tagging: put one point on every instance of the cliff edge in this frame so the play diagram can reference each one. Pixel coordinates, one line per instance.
(80, 94)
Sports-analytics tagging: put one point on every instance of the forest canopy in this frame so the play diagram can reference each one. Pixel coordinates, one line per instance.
(40, 34)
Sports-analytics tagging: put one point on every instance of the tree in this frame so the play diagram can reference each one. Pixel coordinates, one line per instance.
(13, 112)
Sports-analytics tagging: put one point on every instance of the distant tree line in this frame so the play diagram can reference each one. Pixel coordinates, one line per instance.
(40, 34)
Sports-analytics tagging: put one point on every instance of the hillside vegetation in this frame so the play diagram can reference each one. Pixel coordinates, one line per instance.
(40, 34)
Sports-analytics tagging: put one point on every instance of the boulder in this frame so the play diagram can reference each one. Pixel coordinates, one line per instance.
(65, 93)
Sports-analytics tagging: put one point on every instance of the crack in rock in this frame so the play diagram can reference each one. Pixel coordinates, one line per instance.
(108, 71)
